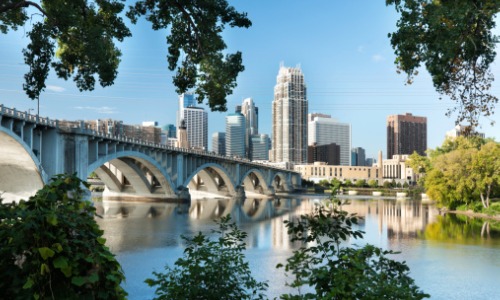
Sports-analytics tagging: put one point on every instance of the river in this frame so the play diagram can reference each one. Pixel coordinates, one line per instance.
(450, 257)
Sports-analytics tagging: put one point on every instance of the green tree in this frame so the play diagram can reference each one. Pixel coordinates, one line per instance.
(361, 183)
(336, 184)
(387, 184)
(210, 269)
(454, 40)
(373, 183)
(348, 182)
(86, 33)
(337, 271)
(486, 171)
(52, 248)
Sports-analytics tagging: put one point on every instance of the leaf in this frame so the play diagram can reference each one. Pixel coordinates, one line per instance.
(44, 268)
(46, 252)
(101, 240)
(29, 283)
(52, 219)
(78, 280)
(60, 262)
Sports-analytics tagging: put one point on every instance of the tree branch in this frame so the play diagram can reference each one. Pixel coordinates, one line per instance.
(22, 4)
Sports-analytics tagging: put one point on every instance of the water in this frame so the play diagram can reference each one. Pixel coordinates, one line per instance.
(449, 257)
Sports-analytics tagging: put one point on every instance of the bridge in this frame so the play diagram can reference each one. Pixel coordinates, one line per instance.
(34, 149)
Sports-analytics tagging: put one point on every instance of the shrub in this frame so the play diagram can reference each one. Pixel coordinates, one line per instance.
(337, 271)
(51, 247)
(210, 269)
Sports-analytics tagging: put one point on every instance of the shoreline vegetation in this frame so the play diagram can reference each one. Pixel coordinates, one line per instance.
(470, 213)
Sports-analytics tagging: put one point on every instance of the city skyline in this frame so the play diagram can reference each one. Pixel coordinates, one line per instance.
(342, 49)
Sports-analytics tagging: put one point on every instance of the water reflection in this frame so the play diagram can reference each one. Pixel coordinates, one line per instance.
(145, 236)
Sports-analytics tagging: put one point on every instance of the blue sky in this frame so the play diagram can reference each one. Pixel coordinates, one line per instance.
(341, 46)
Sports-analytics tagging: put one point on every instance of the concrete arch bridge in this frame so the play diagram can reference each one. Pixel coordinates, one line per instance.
(34, 149)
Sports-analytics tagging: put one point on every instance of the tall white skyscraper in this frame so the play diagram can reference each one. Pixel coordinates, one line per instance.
(185, 100)
(235, 135)
(251, 114)
(324, 130)
(289, 138)
(196, 120)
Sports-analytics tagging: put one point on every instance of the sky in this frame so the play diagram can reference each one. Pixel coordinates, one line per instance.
(342, 48)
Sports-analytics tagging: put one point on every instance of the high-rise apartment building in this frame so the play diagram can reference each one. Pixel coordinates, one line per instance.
(360, 156)
(260, 144)
(289, 138)
(325, 130)
(251, 114)
(235, 135)
(196, 120)
(406, 134)
(185, 100)
(219, 143)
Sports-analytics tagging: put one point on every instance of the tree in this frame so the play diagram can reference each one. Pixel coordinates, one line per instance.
(486, 171)
(337, 271)
(210, 269)
(449, 181)
(361, 183)
(52, 248)
(454, 40)
(348, 182)
(86, 33)
(373, 183)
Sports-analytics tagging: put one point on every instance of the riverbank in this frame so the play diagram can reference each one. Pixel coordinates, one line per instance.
(470, 213)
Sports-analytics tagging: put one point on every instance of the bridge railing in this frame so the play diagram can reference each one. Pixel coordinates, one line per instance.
(25, 116)
(85, 129)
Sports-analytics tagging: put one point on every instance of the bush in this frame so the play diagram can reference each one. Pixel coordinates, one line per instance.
(337, 271)
(51, 247)
(373, 183)
(210, 269)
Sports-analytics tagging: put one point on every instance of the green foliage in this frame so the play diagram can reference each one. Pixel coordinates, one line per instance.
(387, 185)
(195, 35)
(348, 182)
(51, 247)
(405, 185)
(373, 183)
(361, 183)
(210, 269)
(336, 184)
(86, 33)
(336, 271)
(464, 170)
(454, 40)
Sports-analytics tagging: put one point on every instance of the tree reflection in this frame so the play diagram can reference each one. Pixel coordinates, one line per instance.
(463, 230)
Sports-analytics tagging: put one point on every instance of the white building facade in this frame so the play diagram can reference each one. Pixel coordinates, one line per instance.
(290, 108)
(324, 130)
(196, 120)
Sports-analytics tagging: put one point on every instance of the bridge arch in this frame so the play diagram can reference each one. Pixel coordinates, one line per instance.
(124, 161)
(279, 182)
(21, 174)
(257, 184)
(204, 173)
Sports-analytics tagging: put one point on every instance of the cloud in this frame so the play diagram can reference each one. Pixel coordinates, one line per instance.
(106, 110)
(55, 88)
(378, 58)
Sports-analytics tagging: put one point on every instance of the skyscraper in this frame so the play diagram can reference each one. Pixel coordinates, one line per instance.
(185, 100)
(324, 130)
(196, 119)
(235, 135)
(406, 134)
(360, 155)
(289, 139)
(259, 146)
(219, 143)
(250, 112)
